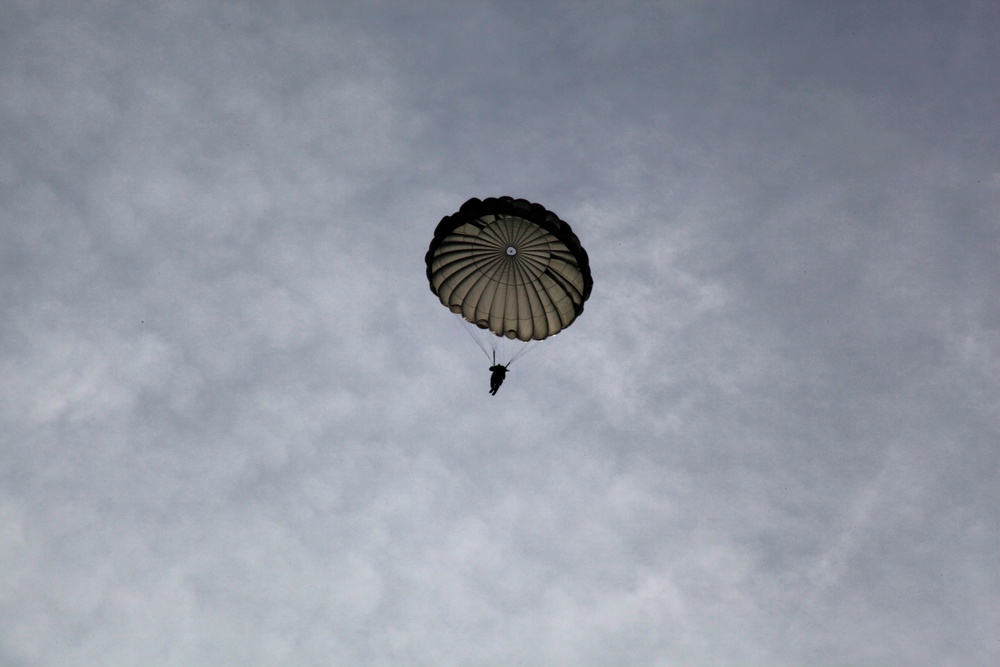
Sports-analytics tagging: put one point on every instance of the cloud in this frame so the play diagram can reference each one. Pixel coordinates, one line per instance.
(238, 428)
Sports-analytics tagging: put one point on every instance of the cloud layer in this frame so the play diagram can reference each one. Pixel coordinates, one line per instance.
(236, 427)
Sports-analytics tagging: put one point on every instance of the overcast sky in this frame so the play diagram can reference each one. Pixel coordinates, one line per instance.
(236, 427)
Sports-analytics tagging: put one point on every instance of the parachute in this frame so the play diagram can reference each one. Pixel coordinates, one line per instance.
(511, 270)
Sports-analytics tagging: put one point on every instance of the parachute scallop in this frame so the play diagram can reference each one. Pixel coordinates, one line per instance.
(509, 267)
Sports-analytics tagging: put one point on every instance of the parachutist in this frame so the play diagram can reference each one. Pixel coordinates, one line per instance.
(511, 271)
(499, 373)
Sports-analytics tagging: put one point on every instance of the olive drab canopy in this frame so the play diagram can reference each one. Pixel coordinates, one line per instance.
(509, 266)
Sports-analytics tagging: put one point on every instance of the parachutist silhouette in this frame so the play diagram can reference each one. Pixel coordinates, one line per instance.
(499, 373)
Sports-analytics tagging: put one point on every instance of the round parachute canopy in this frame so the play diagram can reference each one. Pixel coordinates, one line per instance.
(509, 266)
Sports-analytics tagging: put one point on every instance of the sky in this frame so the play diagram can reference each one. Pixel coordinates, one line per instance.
(237, 428)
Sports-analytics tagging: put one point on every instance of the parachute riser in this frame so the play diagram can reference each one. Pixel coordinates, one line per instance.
(496, 348)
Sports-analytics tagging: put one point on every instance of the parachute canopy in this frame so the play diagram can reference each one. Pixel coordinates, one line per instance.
(510, 267)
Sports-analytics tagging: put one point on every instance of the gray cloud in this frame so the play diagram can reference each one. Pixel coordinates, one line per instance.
(238, 429)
